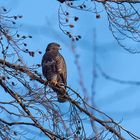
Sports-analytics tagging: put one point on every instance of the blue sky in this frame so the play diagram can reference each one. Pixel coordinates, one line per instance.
(119, 101)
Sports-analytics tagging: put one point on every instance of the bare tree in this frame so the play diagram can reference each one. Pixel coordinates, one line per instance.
(123, 19)
(30, 105)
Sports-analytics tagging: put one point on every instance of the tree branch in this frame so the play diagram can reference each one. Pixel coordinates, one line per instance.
(119, 1)
(23, 69)
(33, 76)
(37, 124)
(16, 123)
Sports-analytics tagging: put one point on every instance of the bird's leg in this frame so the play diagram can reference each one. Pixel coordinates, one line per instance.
(54, 82)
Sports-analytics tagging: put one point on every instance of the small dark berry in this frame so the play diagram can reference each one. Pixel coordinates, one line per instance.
(76, 18)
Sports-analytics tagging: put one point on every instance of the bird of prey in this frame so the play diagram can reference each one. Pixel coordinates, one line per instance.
(55, 71)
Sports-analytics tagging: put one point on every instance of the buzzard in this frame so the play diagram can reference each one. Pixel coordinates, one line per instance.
(54, 69)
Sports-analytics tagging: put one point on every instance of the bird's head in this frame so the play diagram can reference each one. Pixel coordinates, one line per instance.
(53, 47)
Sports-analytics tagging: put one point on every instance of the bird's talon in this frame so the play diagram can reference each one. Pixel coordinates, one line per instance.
(53, 83)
